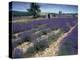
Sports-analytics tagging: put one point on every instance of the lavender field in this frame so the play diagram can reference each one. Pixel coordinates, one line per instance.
(51, 23)
(43, 30)
(32, 32)
(70, 44)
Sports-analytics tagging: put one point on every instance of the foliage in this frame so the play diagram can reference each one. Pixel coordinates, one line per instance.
(34, 10)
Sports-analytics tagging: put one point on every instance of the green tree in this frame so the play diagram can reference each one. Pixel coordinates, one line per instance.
(34, 10)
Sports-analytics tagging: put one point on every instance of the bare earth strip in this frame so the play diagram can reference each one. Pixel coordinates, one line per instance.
(54, 47)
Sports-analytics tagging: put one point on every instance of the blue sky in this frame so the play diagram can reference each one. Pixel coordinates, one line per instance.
(52, 8)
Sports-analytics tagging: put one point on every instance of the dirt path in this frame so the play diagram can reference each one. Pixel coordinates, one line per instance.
(54, 47)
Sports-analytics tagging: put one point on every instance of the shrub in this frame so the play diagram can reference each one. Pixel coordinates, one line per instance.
(41, 44)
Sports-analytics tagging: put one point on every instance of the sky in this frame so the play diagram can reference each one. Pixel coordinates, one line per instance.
(49, 8)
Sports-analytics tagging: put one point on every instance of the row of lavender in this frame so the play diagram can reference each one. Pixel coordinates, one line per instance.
(38, 26)
(29, 35)
(61, 23)
(70, 44)
(36, 40)
(51, 23)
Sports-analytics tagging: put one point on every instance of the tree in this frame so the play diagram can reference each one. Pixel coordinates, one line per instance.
(60, 12)
(34, 10)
